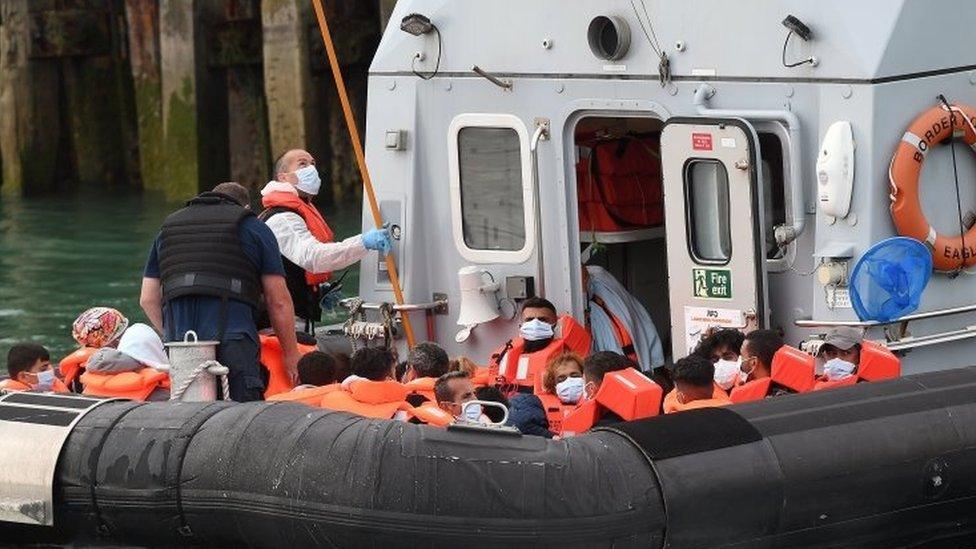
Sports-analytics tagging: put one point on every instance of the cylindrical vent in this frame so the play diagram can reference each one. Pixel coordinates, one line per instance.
(609, 37)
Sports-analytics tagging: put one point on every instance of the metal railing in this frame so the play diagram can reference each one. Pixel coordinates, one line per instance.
(811, 323)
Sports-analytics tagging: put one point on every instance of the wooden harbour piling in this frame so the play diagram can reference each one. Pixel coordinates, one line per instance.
(175, 96)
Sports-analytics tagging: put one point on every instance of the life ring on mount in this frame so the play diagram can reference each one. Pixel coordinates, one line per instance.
(931, 128)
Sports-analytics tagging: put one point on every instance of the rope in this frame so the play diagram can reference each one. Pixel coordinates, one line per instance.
(357, 146)
(955, 173)
(177, 393)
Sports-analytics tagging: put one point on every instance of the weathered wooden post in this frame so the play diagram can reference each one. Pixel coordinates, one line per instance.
(142, 18)
(177, 41)
(235, 59)
(30, 123)
(295, 118)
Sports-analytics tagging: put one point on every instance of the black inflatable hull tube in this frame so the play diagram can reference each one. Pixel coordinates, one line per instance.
(284, 475)
(874, 465)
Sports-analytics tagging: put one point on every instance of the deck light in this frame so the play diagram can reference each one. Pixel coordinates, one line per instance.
(798, 28)
(416, 24)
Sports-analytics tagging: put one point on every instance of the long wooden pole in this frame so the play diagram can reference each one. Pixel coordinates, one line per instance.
(361, 159)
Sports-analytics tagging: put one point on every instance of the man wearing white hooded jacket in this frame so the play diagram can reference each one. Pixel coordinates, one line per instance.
(307, 244)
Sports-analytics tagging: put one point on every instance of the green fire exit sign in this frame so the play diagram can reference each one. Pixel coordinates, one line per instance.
(712, 283)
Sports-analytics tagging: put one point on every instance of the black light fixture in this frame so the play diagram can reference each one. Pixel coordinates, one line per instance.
(800, 29)
(416, 24)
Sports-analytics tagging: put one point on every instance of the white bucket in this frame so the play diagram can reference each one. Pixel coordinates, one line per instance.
(185, 359)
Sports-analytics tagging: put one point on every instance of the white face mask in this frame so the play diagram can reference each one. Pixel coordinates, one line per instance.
(836, 369)
(308, 180)
(726, 372)
(570, 390)
(536, 330)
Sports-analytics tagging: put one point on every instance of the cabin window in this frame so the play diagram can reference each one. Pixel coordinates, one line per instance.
(707, 200)
(492, 210)
(492, 188)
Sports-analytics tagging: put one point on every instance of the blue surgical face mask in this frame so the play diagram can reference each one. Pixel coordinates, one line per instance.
(471, 412)
(536, 330)
(308, 180)
(570, 390)
(836, 369)
(45, 380)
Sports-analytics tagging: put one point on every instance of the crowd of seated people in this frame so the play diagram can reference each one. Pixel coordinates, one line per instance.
(546, 377)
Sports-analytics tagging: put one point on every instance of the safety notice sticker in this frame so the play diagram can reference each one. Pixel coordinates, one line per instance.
(712, 283)
(699, 321)
(701, 141)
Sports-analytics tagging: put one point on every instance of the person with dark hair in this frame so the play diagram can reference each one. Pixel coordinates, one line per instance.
(595, 368)
(426, 362)
(373, 363)
(543, 334)
(694, 386)
(598, 365)
(210, 269)
(29, 367)
(538, 323)
(451, 391)
(722, 348)
(757, 352)
(306, 241)
(317, 369)
(371, 390)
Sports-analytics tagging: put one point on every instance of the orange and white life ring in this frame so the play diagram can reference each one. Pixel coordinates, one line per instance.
(929, 129)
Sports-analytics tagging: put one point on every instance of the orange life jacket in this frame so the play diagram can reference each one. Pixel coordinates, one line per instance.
(14, 385)
(137, 385)
(876, 363)
(526, 370)
(431, 414)
(627, 393)
(272, 359)
(673, 404)
(313, 220)
(556, 411)
(73, 365)
(792, 369)
(822, 384)
(311, 396)
(423, 386)
(619, 185)
(620, 332)
(375, 399)
(482, 376)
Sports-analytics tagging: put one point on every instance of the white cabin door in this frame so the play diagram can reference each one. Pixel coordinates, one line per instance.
(713, 210)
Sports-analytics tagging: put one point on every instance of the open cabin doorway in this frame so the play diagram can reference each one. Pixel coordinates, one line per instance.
(620, 213)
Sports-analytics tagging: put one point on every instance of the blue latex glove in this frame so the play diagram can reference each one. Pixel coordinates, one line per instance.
(378, 239)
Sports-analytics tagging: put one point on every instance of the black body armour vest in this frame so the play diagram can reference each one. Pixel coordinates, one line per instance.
(200, 252)
(304, 297)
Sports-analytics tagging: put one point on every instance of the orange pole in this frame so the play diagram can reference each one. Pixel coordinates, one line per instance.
(361, 160)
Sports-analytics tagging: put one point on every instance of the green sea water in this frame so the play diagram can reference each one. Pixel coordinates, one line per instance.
(60, 255)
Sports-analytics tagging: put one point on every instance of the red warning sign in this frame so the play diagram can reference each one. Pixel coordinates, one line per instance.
(701, 141)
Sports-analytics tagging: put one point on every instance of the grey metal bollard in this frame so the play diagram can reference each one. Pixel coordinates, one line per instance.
(193, 369)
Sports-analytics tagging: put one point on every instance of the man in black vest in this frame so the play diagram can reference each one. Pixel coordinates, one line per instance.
(207, 271)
